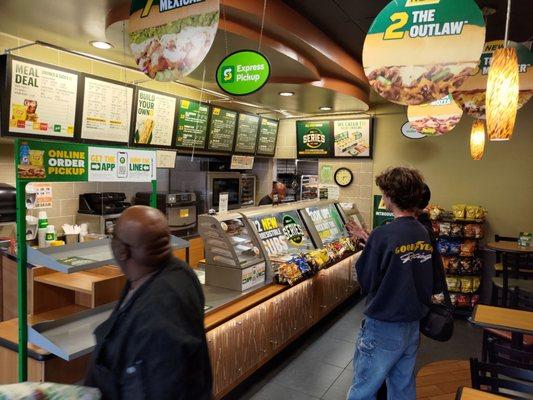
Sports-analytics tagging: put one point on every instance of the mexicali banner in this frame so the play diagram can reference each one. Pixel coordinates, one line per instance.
(68, 162)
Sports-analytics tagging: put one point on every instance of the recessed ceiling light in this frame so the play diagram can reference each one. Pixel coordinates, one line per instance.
(325, 108)
(286, 94)
(101, 45)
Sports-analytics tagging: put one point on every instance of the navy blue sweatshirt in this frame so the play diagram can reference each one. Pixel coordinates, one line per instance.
(395, 271)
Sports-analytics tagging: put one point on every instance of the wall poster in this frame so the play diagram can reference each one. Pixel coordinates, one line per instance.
(353, 138)
(314, 138)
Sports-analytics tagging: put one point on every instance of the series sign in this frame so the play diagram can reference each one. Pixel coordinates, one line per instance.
(418, 51)
(56, 162)
(342, 138)
(243, 72)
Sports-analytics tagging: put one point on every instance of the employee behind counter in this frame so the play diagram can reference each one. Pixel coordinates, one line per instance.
(276, 196)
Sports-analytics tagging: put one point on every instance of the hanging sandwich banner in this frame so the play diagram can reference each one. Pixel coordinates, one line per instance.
(68, 162)
(43, 100)
(471, 95)
(169, 38)
(436, 118)
(418, 51)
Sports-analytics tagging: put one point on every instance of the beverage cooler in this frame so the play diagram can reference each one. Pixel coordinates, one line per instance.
(283, 244)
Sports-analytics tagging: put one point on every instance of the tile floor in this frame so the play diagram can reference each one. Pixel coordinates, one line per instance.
(319, 365)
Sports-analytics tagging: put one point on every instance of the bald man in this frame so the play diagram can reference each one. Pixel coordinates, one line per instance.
(153, 345)
(278, 189)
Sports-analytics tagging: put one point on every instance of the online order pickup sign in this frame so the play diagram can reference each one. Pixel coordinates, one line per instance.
(243, 72)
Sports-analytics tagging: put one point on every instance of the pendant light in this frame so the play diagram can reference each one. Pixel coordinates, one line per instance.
(502, 90)
(477, 140)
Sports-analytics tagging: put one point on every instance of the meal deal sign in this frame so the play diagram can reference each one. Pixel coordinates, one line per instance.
(314, 138)
(65, 162)
(170, 38)
(243, 72)
(471, 95)
(418, 51)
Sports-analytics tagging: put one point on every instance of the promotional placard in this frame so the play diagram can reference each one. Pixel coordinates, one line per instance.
(43, 195)
(154, 119)
(169, 39)
(67, 162)
(247, 130)
(222, 129)
(243, 72)
(328, 222)
(314, 138)
(242, 162)
(106, 111)
(352, 138)
(471, 95)
(382, 216)
(43, 100)
(268, 137)
(192, 124)
(418, 51)
(223, 200)
(436, 118)
(166, 158)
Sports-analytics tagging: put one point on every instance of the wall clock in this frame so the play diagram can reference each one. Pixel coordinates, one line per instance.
(343, 177)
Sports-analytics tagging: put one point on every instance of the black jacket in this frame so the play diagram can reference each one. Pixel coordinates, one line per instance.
(155, 346)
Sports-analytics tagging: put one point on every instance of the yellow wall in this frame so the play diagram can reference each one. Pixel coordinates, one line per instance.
(502, 182)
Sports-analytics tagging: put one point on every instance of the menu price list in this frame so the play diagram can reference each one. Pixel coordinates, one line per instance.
(247, 129)
(268, 133)
(222, 129)
(192, 125)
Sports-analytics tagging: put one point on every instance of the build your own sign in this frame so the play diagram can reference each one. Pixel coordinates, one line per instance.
(418, 51)
(56, 162)
(243, 72)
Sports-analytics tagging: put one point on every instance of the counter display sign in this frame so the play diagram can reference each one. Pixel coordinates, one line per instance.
(247, 130)
(471, 95)
(243, 72)
(352, 138)
(382, 216)
(222, 129)
(328, 222)
(436, 118)
(170, 38)
(268, 136)
(43, 100)
(314, 138)
(106, 111)
(66, 162)
(282, 234)
(154, 121)
(418, 51)
(192, 124)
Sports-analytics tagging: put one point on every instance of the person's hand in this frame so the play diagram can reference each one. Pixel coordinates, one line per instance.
(356, 231)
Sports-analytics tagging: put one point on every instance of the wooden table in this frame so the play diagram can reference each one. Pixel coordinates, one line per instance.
(516, 321)
(473, 394)
(505, 247)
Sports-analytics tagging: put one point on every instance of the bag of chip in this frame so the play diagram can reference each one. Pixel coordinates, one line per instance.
(475, 284)
(442, 246)
(466, 266)
(445, 228)
(476, 266)
(454, 284)
(474, 300)
(456, 230)
(454, 246)
(463, 300)
(468, 248)
(454, 265)
(435, 211)
(469, 231)
(435, 227)
(459, 211)
(453, 299)
(466, 285)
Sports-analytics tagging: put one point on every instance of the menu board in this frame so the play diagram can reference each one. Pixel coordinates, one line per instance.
(192, 124)
(222, 129)
(268, 135)
(106, 111)
(43, 100)
(247, 130)
(328, 222)
(283, 234)
(154, 122)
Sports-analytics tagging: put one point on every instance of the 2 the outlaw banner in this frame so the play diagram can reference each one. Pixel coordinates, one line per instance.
(66, 162)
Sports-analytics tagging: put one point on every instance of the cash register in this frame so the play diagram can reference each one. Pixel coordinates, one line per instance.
(101, 210)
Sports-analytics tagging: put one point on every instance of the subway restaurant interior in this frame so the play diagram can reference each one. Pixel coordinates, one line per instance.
(258, 128)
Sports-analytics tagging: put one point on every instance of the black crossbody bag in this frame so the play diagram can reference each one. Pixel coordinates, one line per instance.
(438, 323)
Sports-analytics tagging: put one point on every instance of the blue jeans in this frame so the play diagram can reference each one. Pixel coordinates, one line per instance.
(385, 351)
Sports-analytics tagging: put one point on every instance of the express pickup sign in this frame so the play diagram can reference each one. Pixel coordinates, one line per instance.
(243, 72)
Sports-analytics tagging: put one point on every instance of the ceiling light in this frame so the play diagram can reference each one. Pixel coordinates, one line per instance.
(101, 45)
(286, 94)
(477, 140)
(325, 108)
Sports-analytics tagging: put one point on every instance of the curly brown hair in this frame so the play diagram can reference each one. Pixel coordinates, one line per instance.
(404, 186)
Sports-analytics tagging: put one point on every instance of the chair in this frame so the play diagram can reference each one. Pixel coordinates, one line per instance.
(520, 300)
(501, 379)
